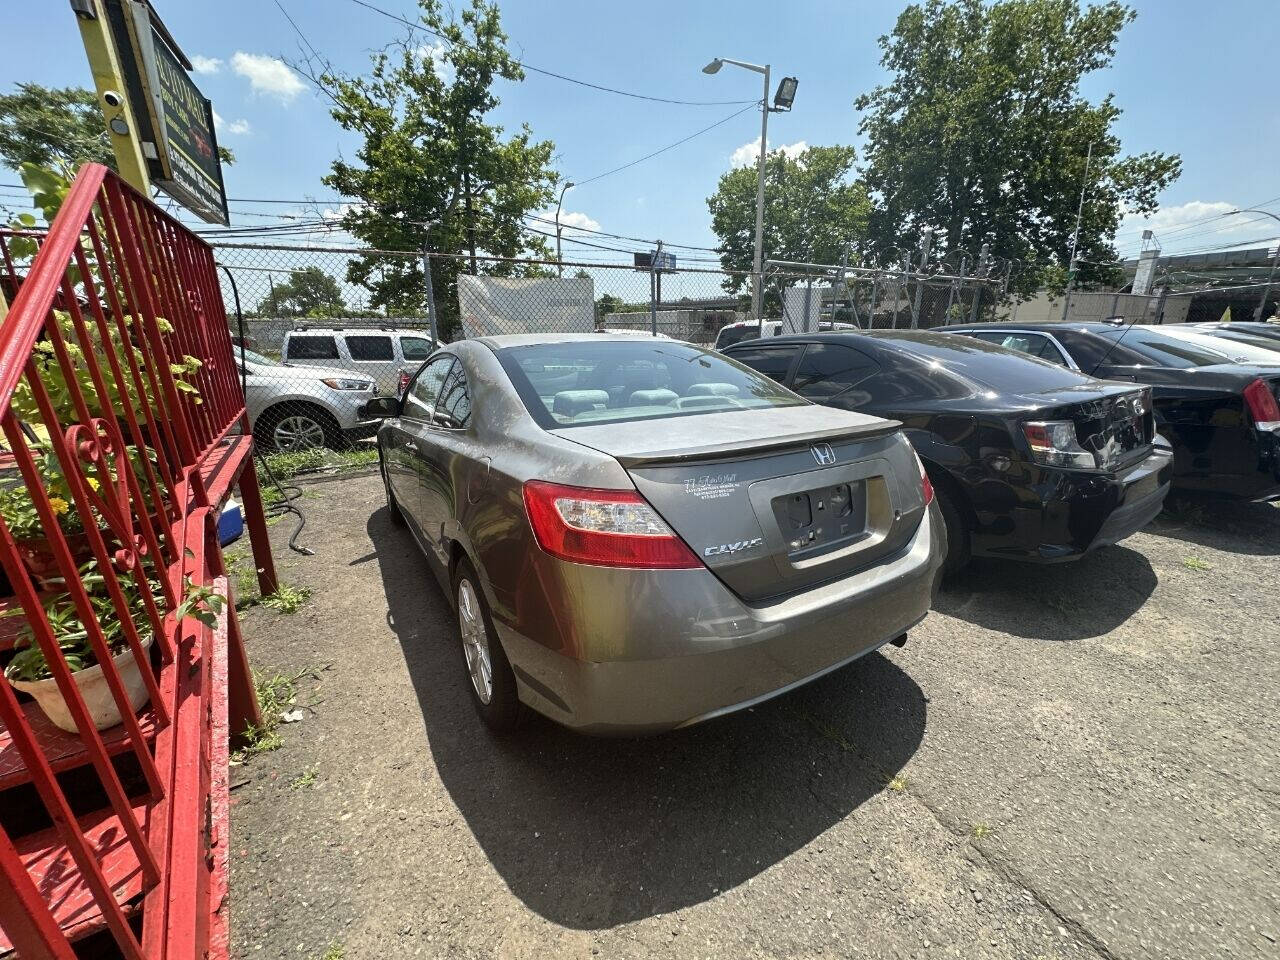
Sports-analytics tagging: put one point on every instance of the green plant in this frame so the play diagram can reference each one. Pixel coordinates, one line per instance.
(1195, 563)
(306, 779)
(898, 784)
(335, 952)
(69, 631)
(286, 599)
(359, 457)
(289, 464)
(981, 830)
(277, 692)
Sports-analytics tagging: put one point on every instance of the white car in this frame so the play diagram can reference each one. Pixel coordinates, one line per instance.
(732, 333)
(380, 353)
(296, 408)
(1235, 351)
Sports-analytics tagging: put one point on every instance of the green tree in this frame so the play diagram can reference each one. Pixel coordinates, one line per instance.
(814, 211)
(57, 128)
(308, 292)
(982, 134)
(430, 156)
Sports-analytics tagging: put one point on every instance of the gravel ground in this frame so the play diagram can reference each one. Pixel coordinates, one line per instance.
(1072, 761)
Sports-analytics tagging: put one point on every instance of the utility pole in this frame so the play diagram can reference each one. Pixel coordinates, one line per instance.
(431, 293)
(1075, 236)
(926, 242)
(559, 204)
(979, 276)
(113, 97)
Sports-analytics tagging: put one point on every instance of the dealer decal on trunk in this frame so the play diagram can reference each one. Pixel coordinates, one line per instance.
(714, 487)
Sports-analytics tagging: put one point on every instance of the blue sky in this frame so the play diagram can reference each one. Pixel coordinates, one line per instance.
(1194, 78)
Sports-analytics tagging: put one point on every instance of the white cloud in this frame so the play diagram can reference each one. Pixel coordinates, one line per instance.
(236, 127)
(435, 53)
(1196, 223)
(571, 218)
(267, 75)
(337, 213)
(205, 64)
(749, 153)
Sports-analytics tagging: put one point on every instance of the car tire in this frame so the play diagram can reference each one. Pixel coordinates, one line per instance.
(393, 508)
(479, 643)
(958, 548)
(310, 427)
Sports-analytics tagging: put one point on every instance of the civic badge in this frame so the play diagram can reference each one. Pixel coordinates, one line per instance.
(823, 453)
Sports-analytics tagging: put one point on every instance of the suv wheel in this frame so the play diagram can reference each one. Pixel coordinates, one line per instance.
(298, 426)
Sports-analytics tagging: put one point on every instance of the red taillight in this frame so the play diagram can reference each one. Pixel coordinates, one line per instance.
(1262, 405)
(604, 528)
(926, 487)
(402, 383)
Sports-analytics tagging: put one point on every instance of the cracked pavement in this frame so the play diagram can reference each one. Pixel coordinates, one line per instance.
(1071, 761)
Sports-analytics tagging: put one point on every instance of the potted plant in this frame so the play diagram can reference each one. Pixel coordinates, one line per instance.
(28, 670)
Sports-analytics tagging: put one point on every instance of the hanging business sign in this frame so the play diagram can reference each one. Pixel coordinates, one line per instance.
(175, 119)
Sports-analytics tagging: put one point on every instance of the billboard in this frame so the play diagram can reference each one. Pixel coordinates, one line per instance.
(175, 119)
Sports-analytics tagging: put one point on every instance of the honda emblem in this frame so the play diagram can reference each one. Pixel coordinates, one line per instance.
(823, 453)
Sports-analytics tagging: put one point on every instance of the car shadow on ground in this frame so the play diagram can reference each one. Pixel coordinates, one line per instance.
(591, 833)
(1058, 602)
(1231, 526)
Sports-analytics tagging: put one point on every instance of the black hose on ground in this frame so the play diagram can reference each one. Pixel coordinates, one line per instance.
(285, 504)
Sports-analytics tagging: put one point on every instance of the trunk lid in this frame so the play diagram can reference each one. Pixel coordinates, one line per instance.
(777, 500)
(1113, 422)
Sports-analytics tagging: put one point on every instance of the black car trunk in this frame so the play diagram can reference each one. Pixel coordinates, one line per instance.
(1117, 426)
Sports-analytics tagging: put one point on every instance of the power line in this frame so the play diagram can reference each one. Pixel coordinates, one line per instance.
(550, 73)
(670, 146)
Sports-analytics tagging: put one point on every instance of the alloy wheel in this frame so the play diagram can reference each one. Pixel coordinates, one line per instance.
(475, 641)
(298, 432)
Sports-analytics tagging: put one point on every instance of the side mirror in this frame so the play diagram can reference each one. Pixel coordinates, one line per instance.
(379, 408)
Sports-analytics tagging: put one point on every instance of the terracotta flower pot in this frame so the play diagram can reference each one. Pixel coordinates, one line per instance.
(94, 690)
(37, 554)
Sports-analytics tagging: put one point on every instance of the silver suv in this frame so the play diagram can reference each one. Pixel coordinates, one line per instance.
(381, 353)
(294, 408)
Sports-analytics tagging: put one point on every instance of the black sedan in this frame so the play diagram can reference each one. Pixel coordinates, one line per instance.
(1029, 460)
(1222, 418)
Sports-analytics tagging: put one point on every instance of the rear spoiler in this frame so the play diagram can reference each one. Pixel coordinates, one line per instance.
(737, 449)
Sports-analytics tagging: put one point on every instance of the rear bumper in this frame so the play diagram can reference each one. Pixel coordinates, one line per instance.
(1070, 513)
(717, 653)
(1257, 469)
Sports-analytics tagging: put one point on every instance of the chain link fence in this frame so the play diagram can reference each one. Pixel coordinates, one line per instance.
(322, 330)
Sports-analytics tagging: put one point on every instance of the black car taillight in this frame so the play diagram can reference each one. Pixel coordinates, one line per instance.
(1054, 443)
(1262, 405)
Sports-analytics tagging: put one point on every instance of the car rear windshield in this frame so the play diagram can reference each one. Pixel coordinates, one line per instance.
(1164, 350)
(730, 335)
(613, 381)
(983, 363)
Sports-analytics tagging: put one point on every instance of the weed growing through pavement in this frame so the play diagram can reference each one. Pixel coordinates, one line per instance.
(277, 693)
(286, 599)
(335, 952)
(306, 779)
(980, 830)
(898, 784)
(287, 465)
(1195, 563)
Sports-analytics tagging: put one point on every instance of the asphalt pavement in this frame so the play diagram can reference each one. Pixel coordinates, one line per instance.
(1068, 761)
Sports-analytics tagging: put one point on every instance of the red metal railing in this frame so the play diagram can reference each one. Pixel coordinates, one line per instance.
(124, 428)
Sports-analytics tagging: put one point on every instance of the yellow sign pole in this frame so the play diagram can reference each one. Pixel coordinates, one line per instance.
(113, 96)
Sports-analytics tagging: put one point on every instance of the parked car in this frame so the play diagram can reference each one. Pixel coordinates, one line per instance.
(639, 534)
(1238, 348)
(741, 330)
(295, 408)
(380, 353)
(1030, 461)
(1247, 331)
(1221, 418)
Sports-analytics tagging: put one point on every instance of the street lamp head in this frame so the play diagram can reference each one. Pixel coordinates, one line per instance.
(714, 66)
(786, 94)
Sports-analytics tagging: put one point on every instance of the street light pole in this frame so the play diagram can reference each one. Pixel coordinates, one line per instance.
(1075, 237)
(560, 259)
(757, 263)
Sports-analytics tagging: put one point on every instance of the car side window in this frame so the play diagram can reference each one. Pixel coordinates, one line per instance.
(1032, 344)
(420, 398)
(415, 348)
(828, 369)
(364, 347)
(773, 361)
(453, 408)
(311, 348)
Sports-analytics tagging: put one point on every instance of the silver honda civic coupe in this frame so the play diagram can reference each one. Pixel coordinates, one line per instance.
(640, 534)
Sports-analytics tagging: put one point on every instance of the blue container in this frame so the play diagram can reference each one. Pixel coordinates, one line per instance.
(230, 523)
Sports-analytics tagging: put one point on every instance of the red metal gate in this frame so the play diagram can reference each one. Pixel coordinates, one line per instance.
(124, 430)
